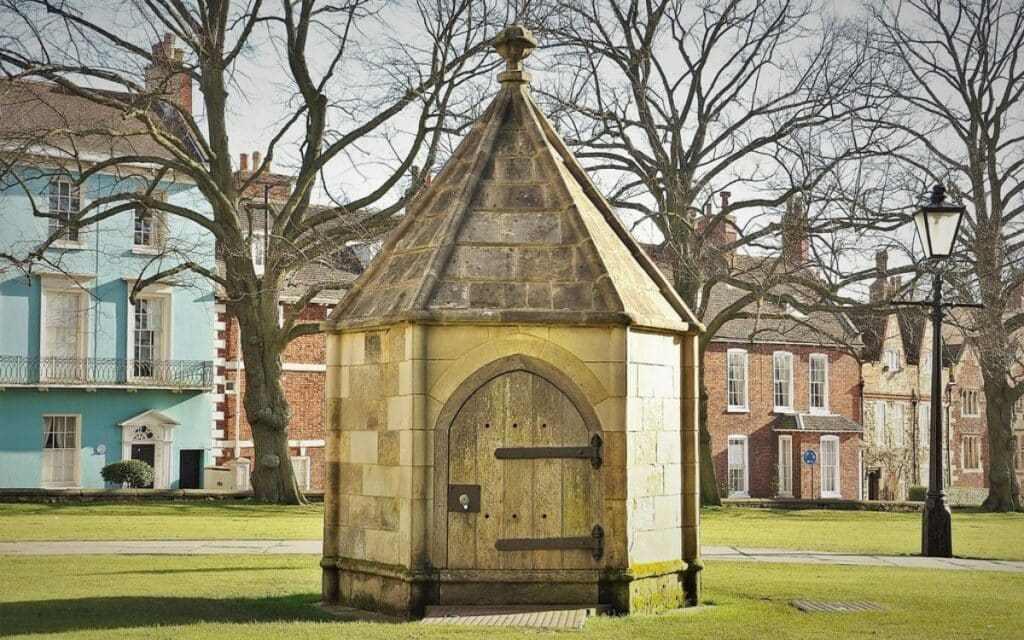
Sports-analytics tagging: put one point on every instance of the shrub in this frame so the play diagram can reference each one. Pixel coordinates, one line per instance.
(917, 493)
(132, 473)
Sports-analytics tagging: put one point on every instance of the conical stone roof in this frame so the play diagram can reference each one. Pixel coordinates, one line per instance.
(512, 230)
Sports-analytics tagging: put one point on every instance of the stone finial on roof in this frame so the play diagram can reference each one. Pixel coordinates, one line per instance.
(514, 44)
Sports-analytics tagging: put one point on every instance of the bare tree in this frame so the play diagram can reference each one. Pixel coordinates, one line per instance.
(354, 94)
(958, 80)
(677, 102)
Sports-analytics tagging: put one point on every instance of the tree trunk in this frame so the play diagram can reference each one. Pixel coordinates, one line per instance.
(273, 479)
(266, 406)
(1003, 488)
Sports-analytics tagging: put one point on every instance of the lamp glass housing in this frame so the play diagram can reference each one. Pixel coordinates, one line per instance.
(937, 226)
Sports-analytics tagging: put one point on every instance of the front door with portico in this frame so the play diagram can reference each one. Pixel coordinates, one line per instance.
(524, 479)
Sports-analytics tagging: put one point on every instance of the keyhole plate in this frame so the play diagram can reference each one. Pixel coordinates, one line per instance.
(464, 498)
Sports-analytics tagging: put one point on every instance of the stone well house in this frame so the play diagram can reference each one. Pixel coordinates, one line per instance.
(87, 376)
(512, 393)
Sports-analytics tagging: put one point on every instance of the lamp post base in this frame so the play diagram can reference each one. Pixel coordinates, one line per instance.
(937, 527)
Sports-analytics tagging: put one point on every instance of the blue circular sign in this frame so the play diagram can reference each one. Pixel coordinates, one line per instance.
(810, 457)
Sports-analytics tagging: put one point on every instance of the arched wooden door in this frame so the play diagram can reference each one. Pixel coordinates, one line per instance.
(523, 446)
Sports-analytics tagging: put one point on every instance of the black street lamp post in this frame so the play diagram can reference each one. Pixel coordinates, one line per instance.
(937, 225)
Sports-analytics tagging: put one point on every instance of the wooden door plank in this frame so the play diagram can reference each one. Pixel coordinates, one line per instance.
(547, 502)
(517, 519)
(579, 479)
(462, 469)
(490, 436)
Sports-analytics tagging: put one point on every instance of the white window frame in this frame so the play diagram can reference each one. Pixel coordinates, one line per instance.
(304, 479)
(258, 251)
(785, 466)
(1018, 441)
(971, 408)
(836, 491)
(745, 406)
(49, 285)
(744, 492)
(75, 193)
(975, 439)
(926, 364)
(76, 455)
(158, 227)
(899, 414)
(893, 362)
(924, 422)
(880, 412)
(163, 292)
(823, 358)
(776, 356)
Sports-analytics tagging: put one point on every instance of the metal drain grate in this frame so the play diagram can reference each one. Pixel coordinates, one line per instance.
(539, 616)
(835, 607)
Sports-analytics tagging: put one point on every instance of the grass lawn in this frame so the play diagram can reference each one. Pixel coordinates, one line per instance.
(212, 520)
(245, 597)
(976, 534)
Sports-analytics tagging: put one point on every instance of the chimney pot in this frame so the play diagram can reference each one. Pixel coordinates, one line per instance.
(243, 162)
(256, 158)
(881, 261)
(725, 199)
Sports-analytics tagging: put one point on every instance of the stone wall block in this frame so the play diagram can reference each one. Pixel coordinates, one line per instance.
(516, 169)
(484, 263)
(538, 295)
(579, 296)
(452, 295)
(364, 446)
(545, 264)
(533, 228)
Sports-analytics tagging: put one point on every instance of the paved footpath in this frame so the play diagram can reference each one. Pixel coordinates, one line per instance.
(313, 547)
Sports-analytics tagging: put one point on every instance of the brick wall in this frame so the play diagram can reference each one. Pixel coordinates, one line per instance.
(756, 423)
(303, 379)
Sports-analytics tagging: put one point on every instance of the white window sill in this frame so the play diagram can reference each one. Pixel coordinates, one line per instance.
(820, 411)
(146, 251)
(67, 244)
(745, 494)
(737, 410)
(785, 494)
(786, 410)
(831, 495)
(972, 470)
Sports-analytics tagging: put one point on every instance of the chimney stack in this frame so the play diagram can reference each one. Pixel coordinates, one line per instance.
(243, 162)
(725, 199)
(256, 158)
(166, 75)
(796, 247)
(877, 292)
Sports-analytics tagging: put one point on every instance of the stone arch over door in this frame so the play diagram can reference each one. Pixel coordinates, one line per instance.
(513, 403)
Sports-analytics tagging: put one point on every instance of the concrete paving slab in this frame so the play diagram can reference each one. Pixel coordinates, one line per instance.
(315, 547)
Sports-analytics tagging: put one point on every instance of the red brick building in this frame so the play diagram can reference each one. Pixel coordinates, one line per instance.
(780, 383)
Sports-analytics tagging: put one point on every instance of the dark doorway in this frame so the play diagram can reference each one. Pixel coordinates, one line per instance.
(189, 469)
(873, 477)
(146, 453)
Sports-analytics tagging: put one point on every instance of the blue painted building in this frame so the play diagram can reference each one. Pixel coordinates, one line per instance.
(88, 376)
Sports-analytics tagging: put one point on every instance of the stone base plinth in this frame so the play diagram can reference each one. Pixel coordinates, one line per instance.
(403, 593)
(387, 589)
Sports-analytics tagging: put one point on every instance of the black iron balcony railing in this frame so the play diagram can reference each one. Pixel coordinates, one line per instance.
(179, 374)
